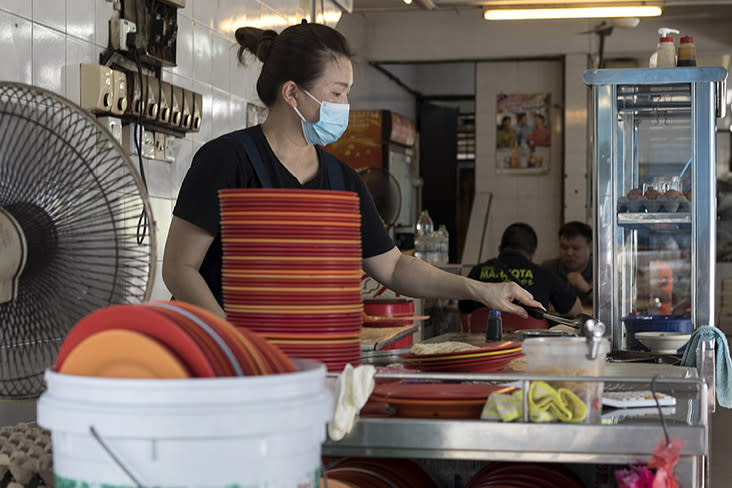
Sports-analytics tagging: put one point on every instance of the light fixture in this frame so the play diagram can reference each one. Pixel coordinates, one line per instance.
(571, 13)
(408, 2)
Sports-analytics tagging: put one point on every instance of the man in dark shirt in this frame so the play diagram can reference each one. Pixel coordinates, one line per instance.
(574, 265)
(516, 251)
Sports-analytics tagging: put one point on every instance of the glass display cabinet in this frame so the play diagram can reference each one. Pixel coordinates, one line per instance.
(654, 180)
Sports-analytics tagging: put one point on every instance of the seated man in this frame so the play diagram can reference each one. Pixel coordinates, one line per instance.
(516, 251)
(574, 265)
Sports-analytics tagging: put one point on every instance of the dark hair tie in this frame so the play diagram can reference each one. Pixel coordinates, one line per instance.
(266, 36)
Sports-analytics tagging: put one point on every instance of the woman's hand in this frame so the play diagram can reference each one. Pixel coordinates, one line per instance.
(500, 296)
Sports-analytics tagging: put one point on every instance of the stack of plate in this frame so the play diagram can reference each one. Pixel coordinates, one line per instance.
(524, 475)
(490, 357)
(435, 400)
(292, 270)
(165, 340)
(377, 473)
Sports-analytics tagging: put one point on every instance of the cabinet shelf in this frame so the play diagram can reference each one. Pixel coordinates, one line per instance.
(641, 218)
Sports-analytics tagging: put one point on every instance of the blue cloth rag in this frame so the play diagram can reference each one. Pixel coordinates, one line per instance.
(722, 362)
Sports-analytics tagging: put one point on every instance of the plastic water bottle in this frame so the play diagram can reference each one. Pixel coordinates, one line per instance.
(423, 240)
(494, 327)
(443, 245)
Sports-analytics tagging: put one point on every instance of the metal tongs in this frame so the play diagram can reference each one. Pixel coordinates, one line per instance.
(591, 328)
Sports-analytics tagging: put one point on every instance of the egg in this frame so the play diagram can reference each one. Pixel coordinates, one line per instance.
(634, 194)
(652, 194)
(687, 194)
(673, 194)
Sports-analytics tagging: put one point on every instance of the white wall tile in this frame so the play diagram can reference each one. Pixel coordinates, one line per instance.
(158, 175)
(182, 162)
(238, 114)
(206, 132)
(232, 14)
(159, 290)
(221, 112)
(181, 81)
(162, 215)
(51, 13)
(184, 48)
(224, 57)
(202, 53)
(19, 7)
(77, 52)
(103, 11)
(204, 12)
(244, 78)
(80, 20)
(16, 44)
(187, 11)
(49, 59)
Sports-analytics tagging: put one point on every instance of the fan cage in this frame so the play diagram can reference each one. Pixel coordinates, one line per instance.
(79, 200)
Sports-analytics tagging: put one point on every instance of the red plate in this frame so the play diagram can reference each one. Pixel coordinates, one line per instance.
(148, 322)
(207, 337)
(334, 320)
(463, 362)
(244, 299)
(236, 248)
(435, 391)
(231, 284)
(302, 231)
(239, 347)
(244, 262)
(278, 329)
(287, 194)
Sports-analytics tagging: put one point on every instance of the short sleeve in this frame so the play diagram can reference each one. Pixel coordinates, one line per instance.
(214, 167)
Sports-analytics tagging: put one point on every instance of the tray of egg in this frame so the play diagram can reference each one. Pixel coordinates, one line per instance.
(653, 201)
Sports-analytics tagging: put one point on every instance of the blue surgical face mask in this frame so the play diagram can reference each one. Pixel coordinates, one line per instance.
(331, 125)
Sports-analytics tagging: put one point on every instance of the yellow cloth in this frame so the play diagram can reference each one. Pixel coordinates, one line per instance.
(546, 404)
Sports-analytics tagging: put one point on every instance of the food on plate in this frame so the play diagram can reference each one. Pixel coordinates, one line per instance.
(441, 348)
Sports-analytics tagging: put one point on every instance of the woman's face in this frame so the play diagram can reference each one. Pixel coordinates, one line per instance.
(333, 86)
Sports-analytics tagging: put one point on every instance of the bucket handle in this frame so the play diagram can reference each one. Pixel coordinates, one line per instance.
(115, 457)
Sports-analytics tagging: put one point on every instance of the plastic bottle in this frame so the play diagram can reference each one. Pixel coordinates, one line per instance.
(665, 54)
(443, 245)
(423, 244)
(687, 51)
(494, 327)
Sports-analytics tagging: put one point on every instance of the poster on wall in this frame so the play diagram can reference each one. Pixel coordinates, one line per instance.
(523, 133)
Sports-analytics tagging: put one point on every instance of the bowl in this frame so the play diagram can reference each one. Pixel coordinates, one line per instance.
(663, 342)
(653, 323)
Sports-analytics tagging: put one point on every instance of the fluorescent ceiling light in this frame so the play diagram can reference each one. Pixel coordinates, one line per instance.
(408, 2)
(571, 13)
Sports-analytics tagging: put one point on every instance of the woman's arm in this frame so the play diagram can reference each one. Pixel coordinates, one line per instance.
(413, 277)
(185, 249)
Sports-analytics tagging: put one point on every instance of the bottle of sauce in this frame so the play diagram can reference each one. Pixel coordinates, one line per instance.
(494, 327)
(666, 53)
(687, 51)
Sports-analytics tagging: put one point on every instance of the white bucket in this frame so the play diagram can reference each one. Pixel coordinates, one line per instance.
(253, 432)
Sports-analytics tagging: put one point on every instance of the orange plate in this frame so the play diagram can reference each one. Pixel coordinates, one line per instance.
(120, 353)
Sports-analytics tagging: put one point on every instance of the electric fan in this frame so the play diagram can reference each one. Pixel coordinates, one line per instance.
(73, 229)
(385, 191)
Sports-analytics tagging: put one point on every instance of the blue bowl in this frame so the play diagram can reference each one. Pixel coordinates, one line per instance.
(653, 323)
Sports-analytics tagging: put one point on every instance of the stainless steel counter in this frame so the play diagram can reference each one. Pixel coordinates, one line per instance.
(627, 441)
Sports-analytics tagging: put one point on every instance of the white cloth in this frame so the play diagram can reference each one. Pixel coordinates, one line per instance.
(352, 389)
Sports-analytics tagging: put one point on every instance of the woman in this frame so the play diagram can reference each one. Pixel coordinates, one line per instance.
(305, 80)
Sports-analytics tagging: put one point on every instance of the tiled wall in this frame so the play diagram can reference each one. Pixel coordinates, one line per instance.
(43, 42)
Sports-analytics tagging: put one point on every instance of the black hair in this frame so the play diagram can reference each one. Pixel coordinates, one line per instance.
(299, 53)
(519, 237)
(575, 228)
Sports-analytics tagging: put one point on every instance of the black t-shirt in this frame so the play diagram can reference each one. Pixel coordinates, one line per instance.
(544, 285)
(223, 163)
(556, 267)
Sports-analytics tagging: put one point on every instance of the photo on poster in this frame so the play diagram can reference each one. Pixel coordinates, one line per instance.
(523, 133)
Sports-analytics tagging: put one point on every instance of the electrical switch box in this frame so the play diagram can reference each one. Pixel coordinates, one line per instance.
(135, 100)
(152, 88)
(176, 106)
(160, 146)
(187, 114)
(166, 98)
(97, 91)
(148, 145)
(157, 28)
(197, 112)
(113, 125)
(119, 92)
(118, 31)
(171, 148)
